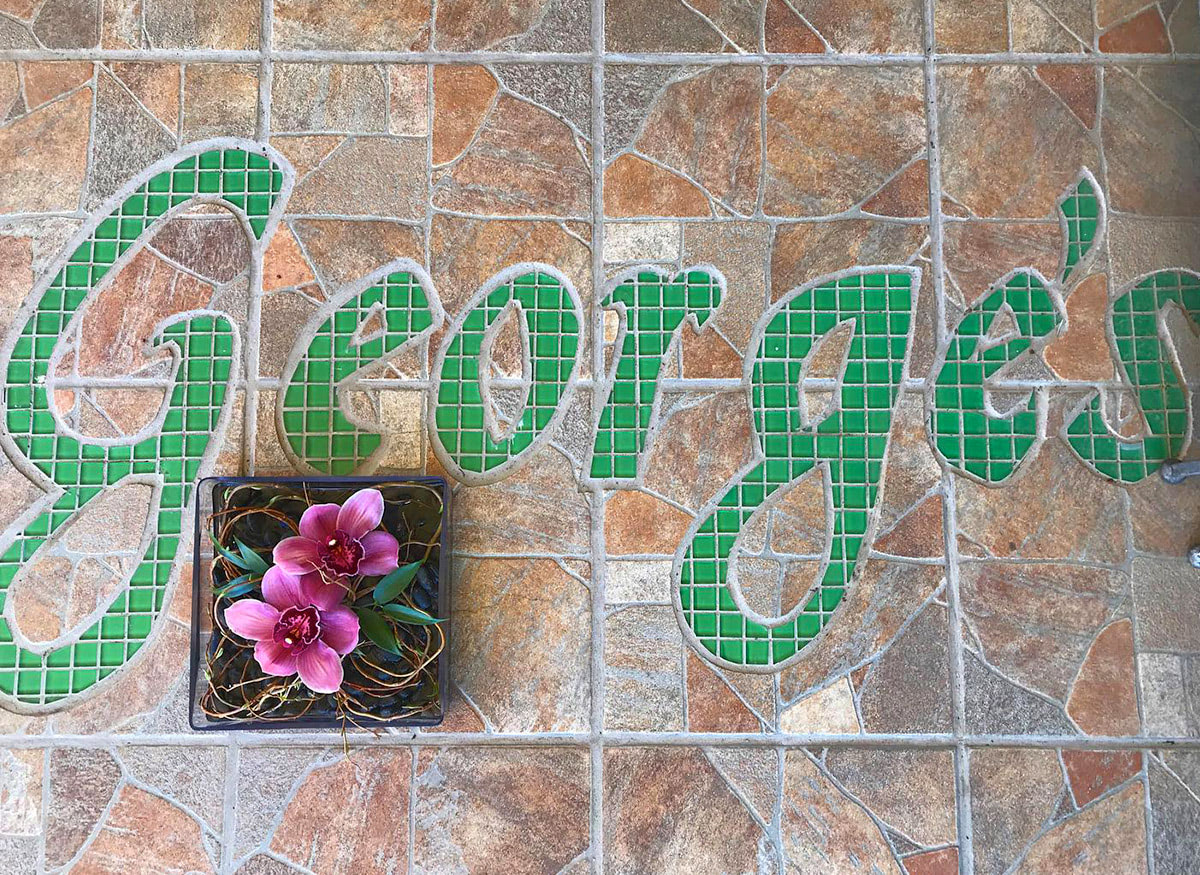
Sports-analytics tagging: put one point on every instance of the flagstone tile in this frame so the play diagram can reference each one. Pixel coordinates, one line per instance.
(329, 97)
(520, 640)
(367, 176)
(1025, 815)
(219, 100)
(643, 657)
(202, 24)
(672, 809)
(21, 782)
(866, 26)
(525, 26)
(827, 148)
(1174, 779)
(823, 827)
(971, 27)
(350, 25)
(1010, 145)
(664, 26)
(68, 24)
(366, 829)
(492, 809)
(1152, 177)
(1054, 26)
(720, 700)
(522, 160)
(1036, 623)
(51, 177)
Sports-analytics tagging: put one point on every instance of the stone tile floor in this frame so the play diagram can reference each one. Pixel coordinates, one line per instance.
(1012, 679)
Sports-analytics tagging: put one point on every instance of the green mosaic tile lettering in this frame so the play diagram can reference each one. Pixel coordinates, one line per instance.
(552, 317)
(851, 441)
(399, 298)
(652, 307)
(1017, 319)
(1149, 368)
(208, 349)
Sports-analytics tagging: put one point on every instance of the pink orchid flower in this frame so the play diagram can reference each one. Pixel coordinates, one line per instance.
(341, 541)
(301, 627)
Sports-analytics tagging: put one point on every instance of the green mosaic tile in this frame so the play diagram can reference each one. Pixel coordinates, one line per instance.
(652, 306)
(1148, 367)
(465, 437)
(851, 441)
(399, 299)
(966, 434)
(207, 347)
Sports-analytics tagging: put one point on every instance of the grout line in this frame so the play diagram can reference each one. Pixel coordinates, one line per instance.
(599, 554)
(962, 757)
(679, 59)
(229, 821)
(247, 739)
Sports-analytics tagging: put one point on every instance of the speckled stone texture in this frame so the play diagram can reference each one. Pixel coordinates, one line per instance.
(1012, 680)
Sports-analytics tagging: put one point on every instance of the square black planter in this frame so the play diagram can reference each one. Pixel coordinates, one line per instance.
(228, 688)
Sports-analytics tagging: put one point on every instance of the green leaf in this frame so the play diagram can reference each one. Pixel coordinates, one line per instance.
(376, 628)
(253, 561)
(236, 587)
(228, 554)
(395, 583)
(405, 614)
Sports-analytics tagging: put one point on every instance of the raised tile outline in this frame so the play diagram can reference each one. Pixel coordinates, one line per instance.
(259, 231)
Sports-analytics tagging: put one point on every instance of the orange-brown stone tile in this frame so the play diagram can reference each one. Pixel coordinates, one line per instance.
(941, 862)
(82, 783)
(349, 25)
(969, 27)
(865, 25)
(364, 829)
(343, 250)
(1009, 144)
(1083, 354)
(220, 100)
(1151, 178)
(1142, 34)
(45, 80)
(523, 809)
(145, 834)
(1092, 773)
(203, 24)
(637, 522)
(712, 705)
(826, 149)
(635, 187)
(530, 25)
(1077, 87)
(1055, 509)
(661, 26)
(786, 32)
(521, 641)
(50, 177)
(670, 808)
(1111, 835)
(1013, 794)
(1103, 700)
(462, 98)
(329, 97)
(523, 161)
(805, 251)
(910, 791)
(708, 129)
(822, 827)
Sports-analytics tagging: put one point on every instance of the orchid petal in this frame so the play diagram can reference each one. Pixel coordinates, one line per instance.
(381, 553)
(361, 513)
(275, 659)
(319, 522)
(297, 555)
(315, 591)
(339, 629)
(320, 668)
(282, 589)
(252, 619)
